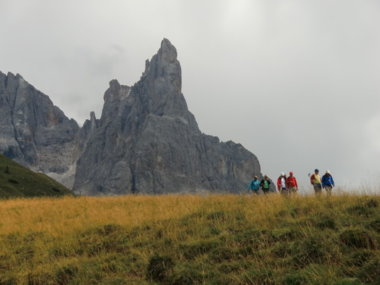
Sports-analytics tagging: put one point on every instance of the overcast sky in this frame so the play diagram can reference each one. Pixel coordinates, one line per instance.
(296, 82)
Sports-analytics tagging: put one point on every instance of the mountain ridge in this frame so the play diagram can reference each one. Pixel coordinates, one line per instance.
(145, 141)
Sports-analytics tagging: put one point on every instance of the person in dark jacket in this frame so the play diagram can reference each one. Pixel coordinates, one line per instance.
(328, 182)
(254, 186)
(265, 184)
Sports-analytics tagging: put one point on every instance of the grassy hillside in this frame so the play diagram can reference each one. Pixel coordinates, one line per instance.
(18, 181)
(185, 239)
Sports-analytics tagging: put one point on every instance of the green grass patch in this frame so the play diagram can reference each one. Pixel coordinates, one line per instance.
(18, 181)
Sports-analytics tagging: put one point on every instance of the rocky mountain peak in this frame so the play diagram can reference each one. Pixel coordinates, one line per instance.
(164, 70)
(167, 52)
(33, 131)
(146, 140)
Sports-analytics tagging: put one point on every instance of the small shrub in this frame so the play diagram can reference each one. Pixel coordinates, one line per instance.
(372, 203)
(65, 274)
(159, 268)
(311, 250)
(357, 238)
(359, 258)
(370, 272)
(325, 222)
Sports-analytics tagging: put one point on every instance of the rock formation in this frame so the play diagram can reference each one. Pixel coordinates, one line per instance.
(146, 140)
(33, 131)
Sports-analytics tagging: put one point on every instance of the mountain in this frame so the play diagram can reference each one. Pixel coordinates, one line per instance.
(19, 181)
(33, 131)
(146, 140)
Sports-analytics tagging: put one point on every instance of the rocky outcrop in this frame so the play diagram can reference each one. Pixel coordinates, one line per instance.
(147, 141)
(33, 131)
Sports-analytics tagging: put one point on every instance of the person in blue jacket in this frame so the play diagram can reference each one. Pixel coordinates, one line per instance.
(328, 182)
(254, 186)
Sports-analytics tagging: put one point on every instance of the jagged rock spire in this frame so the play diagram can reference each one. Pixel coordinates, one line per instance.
(147, 141)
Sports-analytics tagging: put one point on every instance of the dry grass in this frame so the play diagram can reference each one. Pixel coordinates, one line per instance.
(69, 214)
(219, 239)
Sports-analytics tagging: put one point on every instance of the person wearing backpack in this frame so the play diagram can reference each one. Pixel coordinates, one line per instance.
(265, 184)
(316, 181)
(254, 186)
(281, 184)
(291, 183)
(328, 182)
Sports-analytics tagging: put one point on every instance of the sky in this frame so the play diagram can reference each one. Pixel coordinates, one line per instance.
(296, 82)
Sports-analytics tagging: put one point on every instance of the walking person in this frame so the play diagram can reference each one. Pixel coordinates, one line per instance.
(281, 184)
(316, 181)
(328, 182)
(291, 183)
(265, 184)
(254, 186)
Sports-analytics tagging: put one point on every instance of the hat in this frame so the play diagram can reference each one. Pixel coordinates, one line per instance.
(282, 173)
(291, 173)
(328, 171)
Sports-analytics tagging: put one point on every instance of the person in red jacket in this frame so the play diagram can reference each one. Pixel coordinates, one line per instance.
(291, 183)
(281, 183)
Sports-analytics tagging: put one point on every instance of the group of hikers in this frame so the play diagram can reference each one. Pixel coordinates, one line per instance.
(288, 184)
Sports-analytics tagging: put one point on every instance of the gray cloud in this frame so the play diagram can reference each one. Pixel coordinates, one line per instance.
(294, 81)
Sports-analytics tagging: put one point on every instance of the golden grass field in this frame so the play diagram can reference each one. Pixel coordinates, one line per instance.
(191, 239)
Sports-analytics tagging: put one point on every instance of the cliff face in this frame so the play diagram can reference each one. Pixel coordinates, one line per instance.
(146, 140)
(33, 131)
